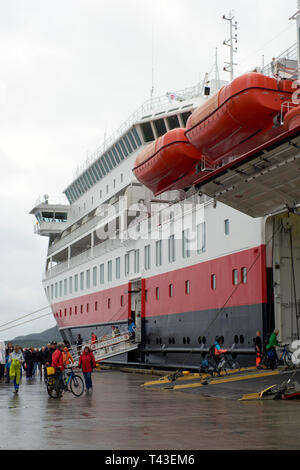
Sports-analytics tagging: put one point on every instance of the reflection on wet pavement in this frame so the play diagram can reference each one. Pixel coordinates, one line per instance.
(120, 414)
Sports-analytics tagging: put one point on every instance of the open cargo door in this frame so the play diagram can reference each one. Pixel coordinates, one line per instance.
(259, 182)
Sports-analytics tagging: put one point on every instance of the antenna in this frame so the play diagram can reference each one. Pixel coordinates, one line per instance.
(152, 60)
(229, 42)
(217, 75)
(296, 17)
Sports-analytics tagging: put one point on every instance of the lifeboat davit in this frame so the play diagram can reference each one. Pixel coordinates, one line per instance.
(167, 163)
(240, 111)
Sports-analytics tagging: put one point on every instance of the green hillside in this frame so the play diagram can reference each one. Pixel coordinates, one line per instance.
(37, 340)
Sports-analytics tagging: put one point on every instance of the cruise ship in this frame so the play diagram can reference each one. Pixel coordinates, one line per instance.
(187, 263)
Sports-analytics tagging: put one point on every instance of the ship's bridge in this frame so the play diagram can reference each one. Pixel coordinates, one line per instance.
(52, 215)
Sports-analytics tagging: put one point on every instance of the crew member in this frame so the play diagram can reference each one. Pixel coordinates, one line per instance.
(258, 349)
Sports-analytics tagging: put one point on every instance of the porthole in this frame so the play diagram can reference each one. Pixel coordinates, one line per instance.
(184, 340)
(188, 340)
(204, 340)
(242, 339)
(236, 339)
(200, 340)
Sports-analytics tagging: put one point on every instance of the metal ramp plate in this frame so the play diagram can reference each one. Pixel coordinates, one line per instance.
(106, 348)
(261, 182)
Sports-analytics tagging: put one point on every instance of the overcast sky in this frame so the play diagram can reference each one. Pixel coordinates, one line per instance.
(73, 70)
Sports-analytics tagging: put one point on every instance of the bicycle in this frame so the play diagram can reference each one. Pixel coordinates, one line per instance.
(57, 384)
(286, 357)
(225, 364)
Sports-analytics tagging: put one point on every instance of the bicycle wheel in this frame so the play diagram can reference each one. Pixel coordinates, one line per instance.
(53, 388)
(288, 360)
(76, 385)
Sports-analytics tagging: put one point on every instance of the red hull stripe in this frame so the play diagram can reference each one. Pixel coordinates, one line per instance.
(186, 289)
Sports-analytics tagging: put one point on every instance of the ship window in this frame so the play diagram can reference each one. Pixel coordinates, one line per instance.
(75, 309)
(171, 248)
(187, 287)
(88, 279)
(132, 141)
(160, 127)
(60, 288)
(127, 264)
(121, 300)
(201, 238)
(127, 143)
(70, 311)
(81, 308)
(158, 253)
(110, 154)
(226, 227)
(56, 290)
(92, 176)
(82, 281)
(173, 122)
(118, 268)
(65, 312)
(147, 132)
(100, 168)
(137, 137)
(213, 281)
(157, 293)
(87, 308)
(101, 273)
(186, 244)
(123, 147)
(70, 285)
(76, 282)
(137, 261)
(244, 275)
(108, 161)
(60, 313)
(117, 158)
(119, 151)
(121, 177)
(235, 277)
(94, 276)
(108, 303)
(96, 306)
(109, 271)
(147, 257)
(171, 290)
(65, 286)
(94, 173)
(103, 161)
(185, 117)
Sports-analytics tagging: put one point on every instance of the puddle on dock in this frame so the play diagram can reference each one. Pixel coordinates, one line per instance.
(120, 414)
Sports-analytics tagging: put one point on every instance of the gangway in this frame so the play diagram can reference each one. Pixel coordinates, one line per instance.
(106, 347)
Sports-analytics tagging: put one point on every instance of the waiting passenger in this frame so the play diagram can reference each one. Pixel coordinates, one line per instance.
(258, 349)
(131, 329)
(271, 348)
(115, 331)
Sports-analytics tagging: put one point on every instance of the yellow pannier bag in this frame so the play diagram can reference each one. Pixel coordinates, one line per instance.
(50, 371)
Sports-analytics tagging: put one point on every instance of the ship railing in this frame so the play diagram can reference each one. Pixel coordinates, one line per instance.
(105, 347)
(291, 53)
(52, 200)
(139, 114)
(285, 108)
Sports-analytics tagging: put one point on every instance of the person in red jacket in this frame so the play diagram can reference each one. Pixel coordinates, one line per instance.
(58, 362)
(87, 362)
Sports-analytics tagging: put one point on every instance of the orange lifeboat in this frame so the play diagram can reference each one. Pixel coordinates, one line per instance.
(239, 112)
(292, 118)
(165, 163)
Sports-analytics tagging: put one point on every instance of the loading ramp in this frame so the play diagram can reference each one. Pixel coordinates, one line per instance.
(106, 347)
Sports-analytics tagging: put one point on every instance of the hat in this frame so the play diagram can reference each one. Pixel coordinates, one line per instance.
(53, 342)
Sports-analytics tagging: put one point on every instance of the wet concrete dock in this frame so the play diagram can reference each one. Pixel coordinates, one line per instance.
(121, 414)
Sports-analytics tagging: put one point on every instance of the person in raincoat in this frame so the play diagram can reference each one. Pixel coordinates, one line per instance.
(16, 361)
(67, 357)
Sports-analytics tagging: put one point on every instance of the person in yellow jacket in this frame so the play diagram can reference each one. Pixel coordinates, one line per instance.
(67, 357)
(16, 361)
